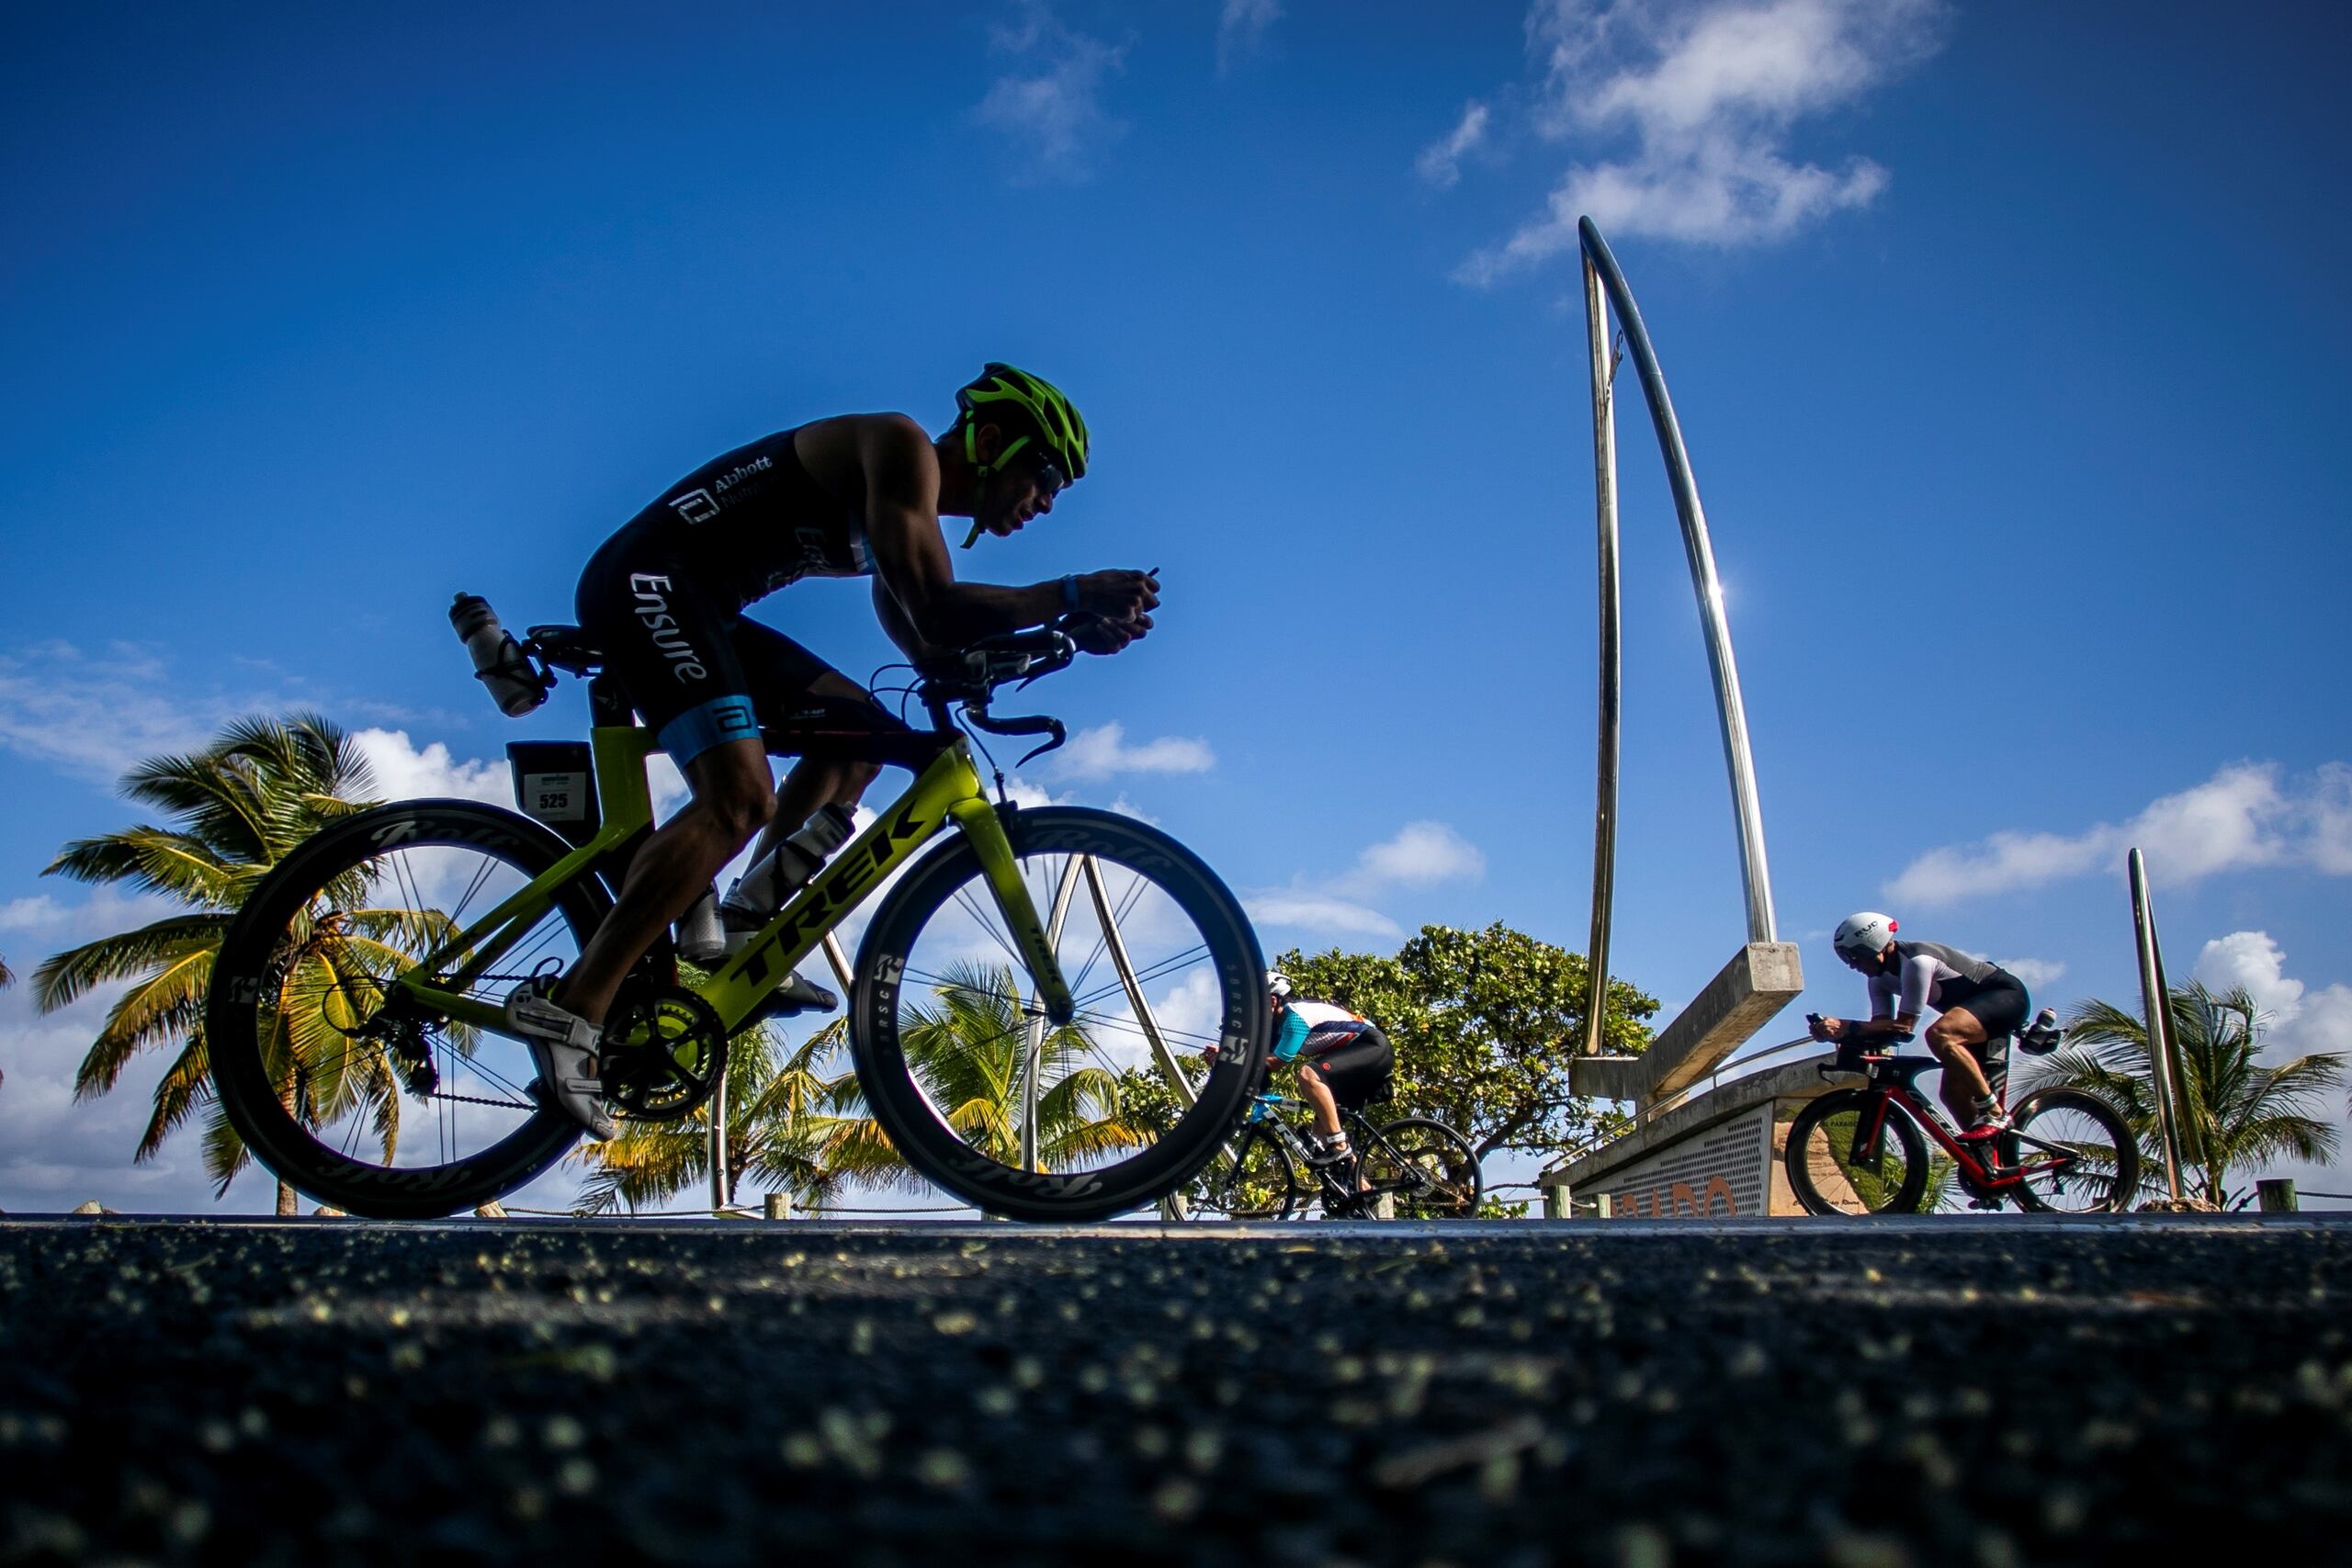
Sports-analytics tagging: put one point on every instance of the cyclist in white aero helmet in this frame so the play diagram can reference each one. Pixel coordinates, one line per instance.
(1982, 1005)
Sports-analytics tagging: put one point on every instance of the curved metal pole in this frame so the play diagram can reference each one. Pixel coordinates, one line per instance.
(2155, 1006)
(1604, 811)
(1177, 1082)
(1728, 707)
(1032, 1053)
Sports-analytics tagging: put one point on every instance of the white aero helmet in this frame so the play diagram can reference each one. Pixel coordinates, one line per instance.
(1864, 936)
(1277, 983)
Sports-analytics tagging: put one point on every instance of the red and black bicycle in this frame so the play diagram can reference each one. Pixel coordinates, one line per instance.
(1864, 1151)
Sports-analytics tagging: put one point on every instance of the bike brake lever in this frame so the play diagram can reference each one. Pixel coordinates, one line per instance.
(1059, 738)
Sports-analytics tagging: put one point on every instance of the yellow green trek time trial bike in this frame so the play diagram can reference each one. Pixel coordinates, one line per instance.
(1031, 995)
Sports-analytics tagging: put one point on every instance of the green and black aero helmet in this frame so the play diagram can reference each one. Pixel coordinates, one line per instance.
(1057, 422)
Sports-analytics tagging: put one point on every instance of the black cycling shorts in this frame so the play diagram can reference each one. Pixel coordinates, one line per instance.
(698, 674)
(2000, 1004)
(1355, 1068)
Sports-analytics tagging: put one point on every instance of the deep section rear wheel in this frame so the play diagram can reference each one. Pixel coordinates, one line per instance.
(1256, 1182)
(1851, 1151)
(349, 1095)
(953, 1050)
(2077, 1155)
(1425, 1169)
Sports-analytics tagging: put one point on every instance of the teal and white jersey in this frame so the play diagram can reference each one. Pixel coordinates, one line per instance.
(1315, 1025)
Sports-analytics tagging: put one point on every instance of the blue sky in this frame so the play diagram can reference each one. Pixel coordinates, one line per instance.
(2010, 344)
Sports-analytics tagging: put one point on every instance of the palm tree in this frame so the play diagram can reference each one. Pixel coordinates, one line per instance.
(237, 807)
(797, 1120)
(2237, 1113)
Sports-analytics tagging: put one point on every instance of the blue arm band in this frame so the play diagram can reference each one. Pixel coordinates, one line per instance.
(1069, 595)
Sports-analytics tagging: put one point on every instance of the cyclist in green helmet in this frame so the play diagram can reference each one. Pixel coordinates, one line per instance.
(855, 495)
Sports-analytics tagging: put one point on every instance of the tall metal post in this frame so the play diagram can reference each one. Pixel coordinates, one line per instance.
(1604, 811)
(718, 1108)
(2155, 1008)
(840, 961)
(1033, 1055)
(1729, 710)
(1177, 1084)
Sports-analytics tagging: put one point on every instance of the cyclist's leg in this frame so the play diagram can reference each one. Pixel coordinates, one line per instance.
(1314, 1088)
(1956, 1037)
(1353, 1069)
(784, 678)
(1348, 1073)
(672, 869)
(670, 644)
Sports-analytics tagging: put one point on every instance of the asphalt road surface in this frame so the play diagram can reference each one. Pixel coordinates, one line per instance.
(1988, 1391)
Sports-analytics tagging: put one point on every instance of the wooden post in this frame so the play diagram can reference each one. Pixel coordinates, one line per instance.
(779, 1205)
(1556, 1203)
(2275, 1195)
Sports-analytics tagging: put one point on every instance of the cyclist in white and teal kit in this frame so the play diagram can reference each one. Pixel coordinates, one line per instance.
(1341, 1058)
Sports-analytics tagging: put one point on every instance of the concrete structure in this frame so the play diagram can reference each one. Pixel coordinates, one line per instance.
(1716, 1155)
(1761, 978)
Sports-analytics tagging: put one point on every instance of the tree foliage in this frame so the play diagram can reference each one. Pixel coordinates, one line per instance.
(234, 810)
(2238, 1114)
(1484, 1023)
(796, 1119)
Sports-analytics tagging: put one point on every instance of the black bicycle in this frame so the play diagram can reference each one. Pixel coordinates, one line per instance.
(361, 1050)
(1411, 1168)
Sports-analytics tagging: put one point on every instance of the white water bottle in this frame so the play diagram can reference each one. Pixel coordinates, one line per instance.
(498, 659)
(760, 892)
(701, 938)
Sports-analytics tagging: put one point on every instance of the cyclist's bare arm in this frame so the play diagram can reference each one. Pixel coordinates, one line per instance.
(900, 471)
(1869, 1028)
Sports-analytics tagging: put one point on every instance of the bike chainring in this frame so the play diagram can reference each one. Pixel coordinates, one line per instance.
(662, 1052)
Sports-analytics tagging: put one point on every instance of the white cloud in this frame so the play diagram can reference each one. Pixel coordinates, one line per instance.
(404, 771)
(1102, 750)
(1441, 161)
(2035, 972)
(94, 716)
(106, 908)
(1421, 856)
(1125, 807)
(1054, 117)
(2251, 960)
(1241, 28)
(2244, 816)
(1318, 912)
(1708, 93)
(36, 913)
(2300, 1019)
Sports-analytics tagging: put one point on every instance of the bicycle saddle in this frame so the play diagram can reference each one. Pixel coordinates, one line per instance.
(567, 649)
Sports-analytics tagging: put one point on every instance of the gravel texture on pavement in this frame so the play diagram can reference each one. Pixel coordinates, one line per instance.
(1986, 1390)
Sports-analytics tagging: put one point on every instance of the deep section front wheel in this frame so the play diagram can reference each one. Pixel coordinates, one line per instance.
(1424, 1169)
(1115, 1110)
(334, 1081)
(1851, 1151)
(1252, 1180)
(2075, 1152)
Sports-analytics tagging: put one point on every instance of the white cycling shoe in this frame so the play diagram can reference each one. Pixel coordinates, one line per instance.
(563, 1047)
